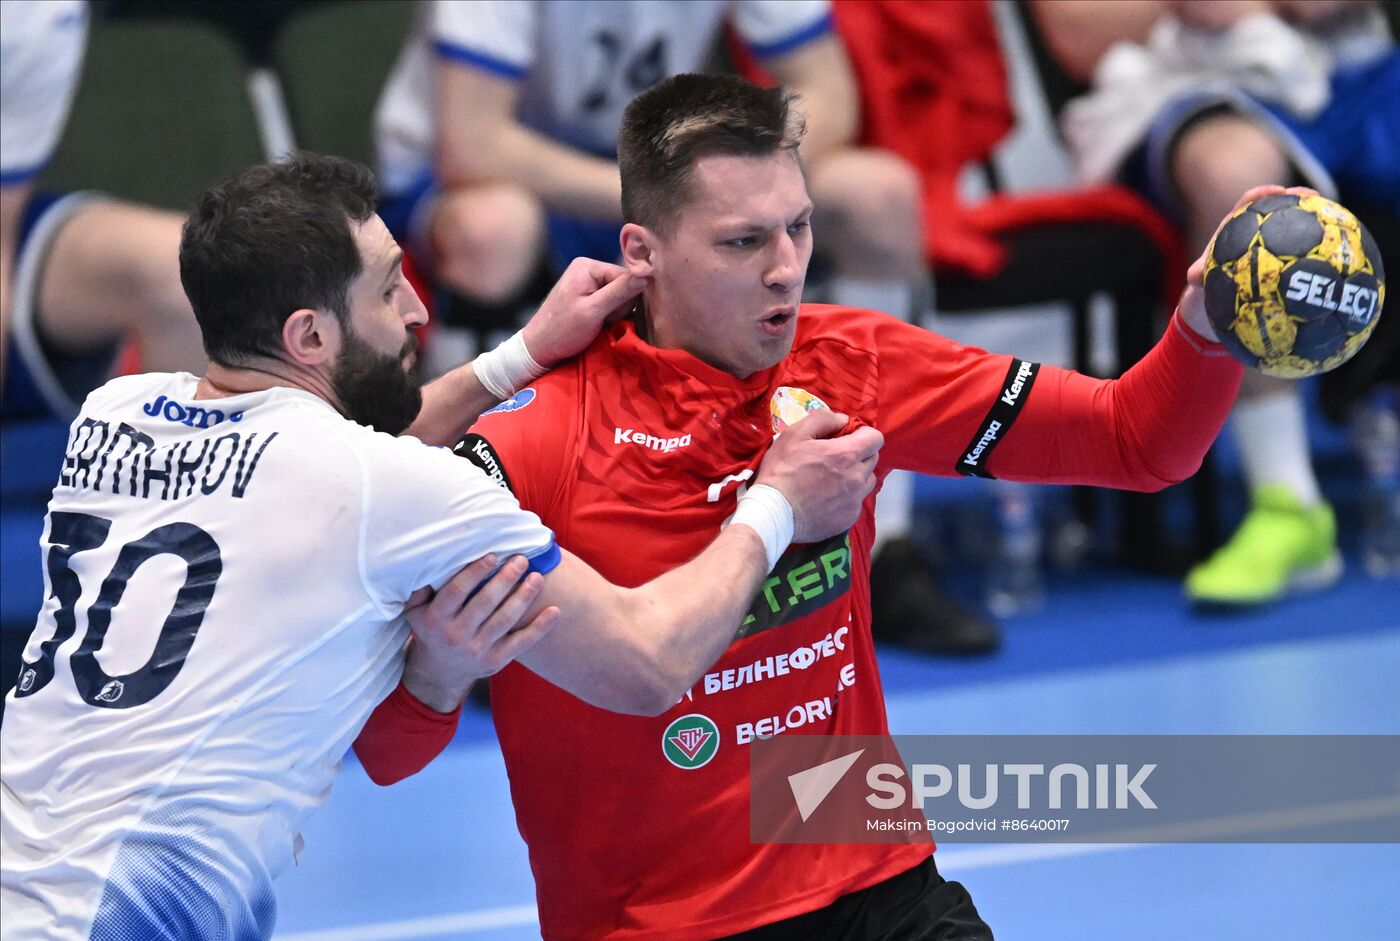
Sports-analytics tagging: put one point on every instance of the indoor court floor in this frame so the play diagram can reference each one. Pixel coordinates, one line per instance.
(438, 856)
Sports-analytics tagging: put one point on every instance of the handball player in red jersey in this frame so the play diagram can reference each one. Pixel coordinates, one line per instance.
(635, 454)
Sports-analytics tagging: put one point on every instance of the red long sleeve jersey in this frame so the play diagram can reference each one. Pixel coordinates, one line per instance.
(635, 456)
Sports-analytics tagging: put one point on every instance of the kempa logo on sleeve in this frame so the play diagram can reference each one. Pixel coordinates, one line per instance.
(478, 450)
(988, 438)
(1015, 389)
(651, 442)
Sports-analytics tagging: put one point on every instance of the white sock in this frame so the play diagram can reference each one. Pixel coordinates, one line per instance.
(1273, 438)
(894, 508)
(893, 297)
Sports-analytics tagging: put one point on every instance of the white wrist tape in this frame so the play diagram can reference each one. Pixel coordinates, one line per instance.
(504, 370)
(767, 512)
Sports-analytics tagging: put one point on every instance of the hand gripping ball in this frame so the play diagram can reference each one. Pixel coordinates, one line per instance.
(1294, 285)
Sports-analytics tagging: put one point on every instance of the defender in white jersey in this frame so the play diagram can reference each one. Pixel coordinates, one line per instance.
(229, 560)
(249, 559)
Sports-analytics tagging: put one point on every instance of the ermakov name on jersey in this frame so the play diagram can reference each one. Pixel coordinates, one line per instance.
(120, 459)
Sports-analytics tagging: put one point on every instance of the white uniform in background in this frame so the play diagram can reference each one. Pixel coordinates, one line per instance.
(226, 581)
(41, 58)
(579, 63)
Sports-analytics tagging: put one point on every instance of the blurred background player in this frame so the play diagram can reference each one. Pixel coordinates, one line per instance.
(1205, 98)
(80, 274)
(497, 142)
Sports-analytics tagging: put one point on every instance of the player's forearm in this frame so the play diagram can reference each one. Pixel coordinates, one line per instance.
(1172, 404)
(831, 125)
(1146, 430)
(686, 619)
(637, 651)
(403, 734)
(565, 179)
(441, 691)
(451, 404)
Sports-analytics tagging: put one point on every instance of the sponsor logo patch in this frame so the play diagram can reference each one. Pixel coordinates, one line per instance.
(513, 404)
(806, 578)
(191, 416)
(690, 742)
(789, 406)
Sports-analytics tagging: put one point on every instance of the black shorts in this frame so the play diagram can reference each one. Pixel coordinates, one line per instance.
(917, 905)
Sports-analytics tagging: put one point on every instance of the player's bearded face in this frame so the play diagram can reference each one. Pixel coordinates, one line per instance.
(377, 389)
(729, 278)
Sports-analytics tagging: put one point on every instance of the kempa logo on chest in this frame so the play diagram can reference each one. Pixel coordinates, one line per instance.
(651, 442)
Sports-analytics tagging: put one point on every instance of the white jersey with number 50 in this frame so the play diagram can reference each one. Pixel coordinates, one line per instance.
(225, 586)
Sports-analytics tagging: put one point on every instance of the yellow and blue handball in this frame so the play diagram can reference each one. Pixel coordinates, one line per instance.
(1294, 285)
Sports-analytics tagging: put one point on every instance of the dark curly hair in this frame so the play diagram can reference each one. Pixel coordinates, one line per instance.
(274, 239)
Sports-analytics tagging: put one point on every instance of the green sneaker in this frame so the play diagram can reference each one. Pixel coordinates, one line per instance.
(1280, 547)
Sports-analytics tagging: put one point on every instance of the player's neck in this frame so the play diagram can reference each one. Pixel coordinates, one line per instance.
(653, 331)
(653, 326)
(222, 381)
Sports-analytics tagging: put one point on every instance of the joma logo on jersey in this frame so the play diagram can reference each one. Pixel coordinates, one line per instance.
(1357, 303)
(642, 439)
(690, 742)
(192, 416)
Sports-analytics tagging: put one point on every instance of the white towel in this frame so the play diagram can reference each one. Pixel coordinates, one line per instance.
(1260, 55)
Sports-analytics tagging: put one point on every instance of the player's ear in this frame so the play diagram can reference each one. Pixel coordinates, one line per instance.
(311, 337)
(638, 250)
